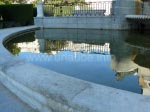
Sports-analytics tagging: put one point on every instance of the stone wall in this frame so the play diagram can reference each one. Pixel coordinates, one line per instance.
(77, 22)
(117, 20)
(146, 8)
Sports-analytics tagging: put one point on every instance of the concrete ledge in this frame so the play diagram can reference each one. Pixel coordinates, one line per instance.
(48, 91)
(138, 17)
(103, 22)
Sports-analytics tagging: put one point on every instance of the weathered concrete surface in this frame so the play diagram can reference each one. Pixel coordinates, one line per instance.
(10, 103)
(76, 22)
(48, 91)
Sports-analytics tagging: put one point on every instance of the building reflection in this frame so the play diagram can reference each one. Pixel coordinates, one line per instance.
(143, 61)
(49, 46)
(19, 43)
(127, 58)
(132, 59)
(29, 46)
(55, 40)
(54, 46)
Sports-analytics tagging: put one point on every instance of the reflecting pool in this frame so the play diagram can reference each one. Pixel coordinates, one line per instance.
(117, 59)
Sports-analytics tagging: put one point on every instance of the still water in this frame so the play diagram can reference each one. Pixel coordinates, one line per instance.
(117, 59)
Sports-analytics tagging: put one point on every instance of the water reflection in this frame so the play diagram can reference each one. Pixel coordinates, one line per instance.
(141, 59)
(133, 63)
(20, 43)
(104, 57)
(13, 48)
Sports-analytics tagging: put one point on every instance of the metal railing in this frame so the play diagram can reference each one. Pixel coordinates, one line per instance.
(104, 8)
(62, 45)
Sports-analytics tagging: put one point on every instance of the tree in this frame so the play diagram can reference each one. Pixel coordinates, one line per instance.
(13, 1)
(1, 2)
(6, 1)
(20, 1)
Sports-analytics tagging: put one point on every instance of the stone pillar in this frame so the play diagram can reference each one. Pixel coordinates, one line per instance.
(42, 43)
(38, 20)
(40, 9)
(123, 8)
(128, 7)
(146, 11)
(113, 7)
(146, 8)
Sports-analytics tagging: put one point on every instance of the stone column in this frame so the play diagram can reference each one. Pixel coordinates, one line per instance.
(123, 8)
(146, 8)
(40, 9)
(38, 20)
(42, 43)
(128, 7)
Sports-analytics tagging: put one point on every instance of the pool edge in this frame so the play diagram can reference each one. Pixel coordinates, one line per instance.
(77, 96)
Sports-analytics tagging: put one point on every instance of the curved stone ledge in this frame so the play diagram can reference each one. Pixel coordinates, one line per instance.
(138, 17)
(48, 91)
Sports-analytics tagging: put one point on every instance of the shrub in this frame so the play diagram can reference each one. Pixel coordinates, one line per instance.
(34, 11)
(19, 13)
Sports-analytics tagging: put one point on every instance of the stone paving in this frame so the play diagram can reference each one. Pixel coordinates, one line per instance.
(10, 103)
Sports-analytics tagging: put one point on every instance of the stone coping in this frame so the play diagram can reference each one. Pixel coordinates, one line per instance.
(138, 17)
(48, 91)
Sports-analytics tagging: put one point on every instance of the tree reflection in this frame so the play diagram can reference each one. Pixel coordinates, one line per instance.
(55, 45)
(13, 48)
(133, 55)
(12, 45)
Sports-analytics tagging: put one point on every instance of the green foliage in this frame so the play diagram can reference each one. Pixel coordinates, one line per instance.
(62, 1)
(22, 13)
(13, 48)
(63, 11)
(34, 2)
(13, 1)
(20, 1)
(5, 1)
(59, 8)
(34, 11)
(48, 10)
(55, 45)
(12, 44)
(1, 3)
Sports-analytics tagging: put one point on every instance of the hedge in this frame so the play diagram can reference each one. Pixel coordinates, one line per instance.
(19, 13)
(34, 11)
